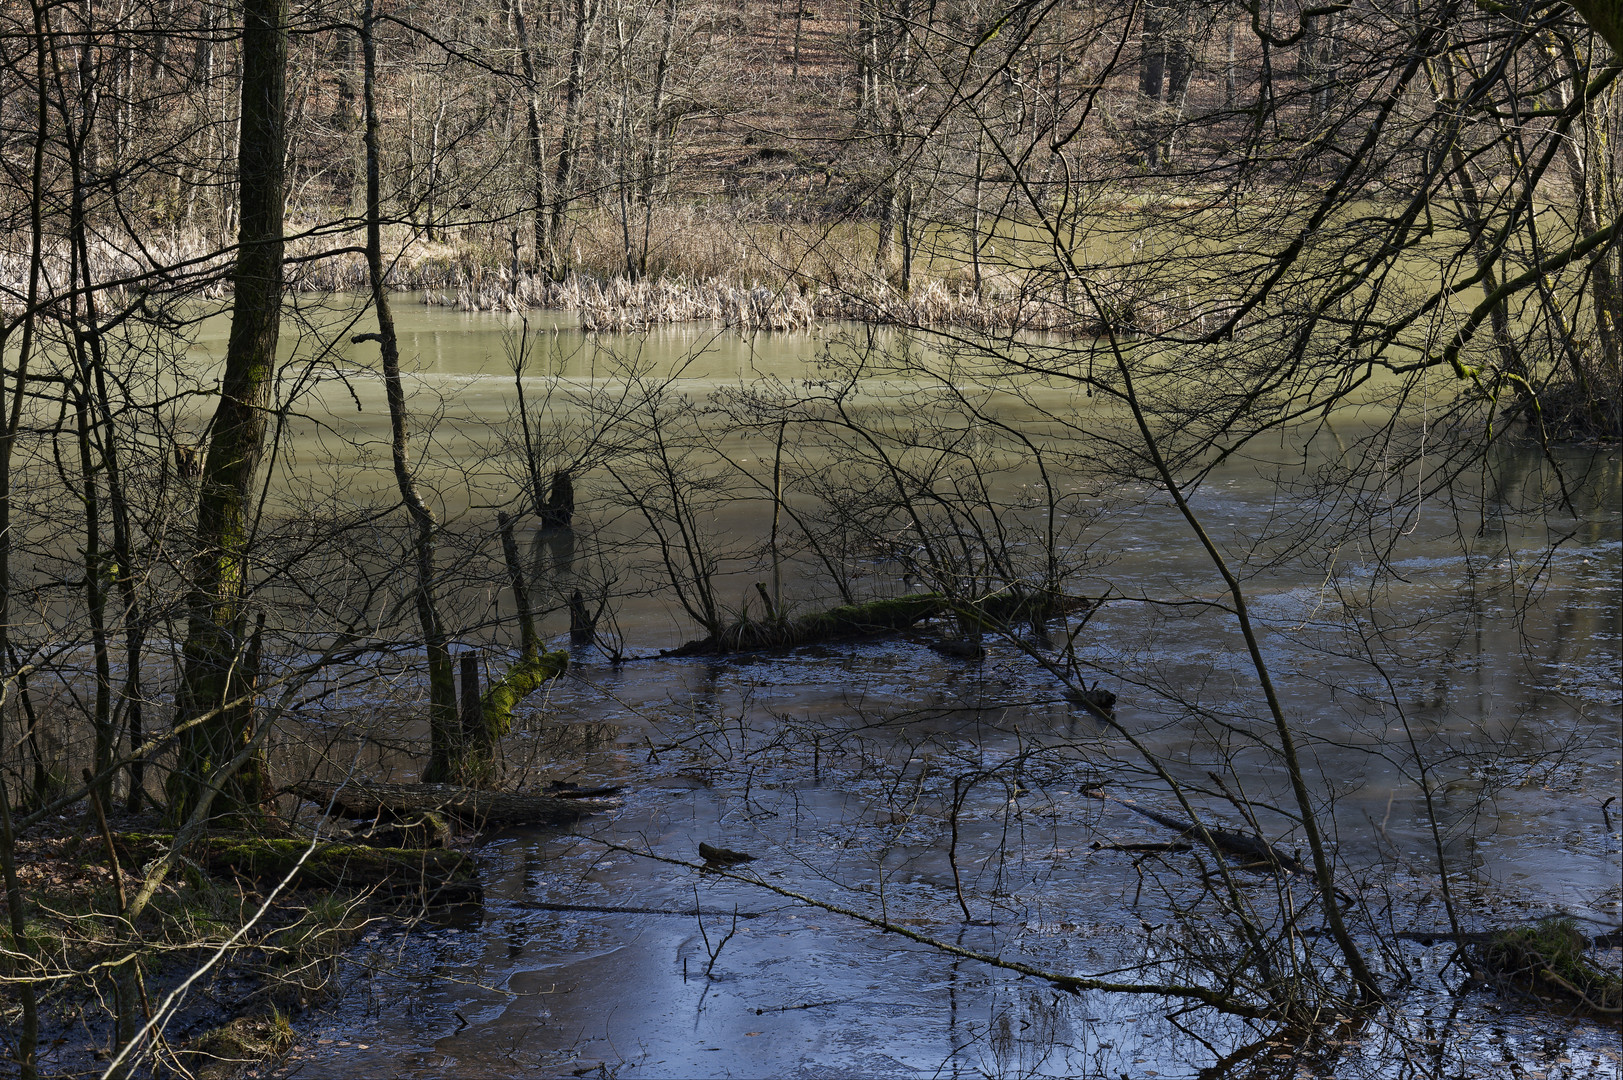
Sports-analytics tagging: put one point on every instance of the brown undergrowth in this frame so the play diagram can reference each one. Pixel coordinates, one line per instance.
(728, 268)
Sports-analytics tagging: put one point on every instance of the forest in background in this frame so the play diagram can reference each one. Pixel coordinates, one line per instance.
(1223, 221)
(853, 155)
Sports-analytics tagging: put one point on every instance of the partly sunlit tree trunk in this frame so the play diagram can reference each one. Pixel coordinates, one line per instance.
(217, 619)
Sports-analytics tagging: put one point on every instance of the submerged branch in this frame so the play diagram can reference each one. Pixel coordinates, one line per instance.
(876, 618)
(479, 808)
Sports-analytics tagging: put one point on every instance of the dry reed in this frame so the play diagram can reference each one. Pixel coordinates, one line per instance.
(731, 271)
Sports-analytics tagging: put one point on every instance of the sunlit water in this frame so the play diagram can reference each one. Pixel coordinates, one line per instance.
(837, 767)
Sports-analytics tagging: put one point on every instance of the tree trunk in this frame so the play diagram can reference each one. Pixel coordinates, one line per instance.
(1510, 357)
(1307, 50)
(864, 65)
(887, 226)
(905, 218)
(1180, 57)
(1587, 178)
(79, 113)
(18, 959)
(343, 116)
(98, 455)
(569, 145)
(95, 583)
(445, 735)
(122, 569)
(220, 563)
(1606, 18)
(487, 718)
(527, 675)
(975, 220)
(534, 133)
(27, 1031)
(1152, 64)
(1231, 77)
(657, 155)
(431, 186)
(800, 15)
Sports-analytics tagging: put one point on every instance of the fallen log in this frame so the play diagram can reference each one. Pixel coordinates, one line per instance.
(470, 806)
(1153, 849)
(1009, 606)
(441, 876)
(847, 622)
(562, 789)
(875, 618)
(1242, 846)
(844, 623)
(1612, 939)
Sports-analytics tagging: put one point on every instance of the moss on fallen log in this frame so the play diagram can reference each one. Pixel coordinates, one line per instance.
(444, 876)
(1549, 960)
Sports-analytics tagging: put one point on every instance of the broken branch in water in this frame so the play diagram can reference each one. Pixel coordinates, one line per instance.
(720, 856)
(873, 618)
(472, 806)
(1238, 845)
(848, 621)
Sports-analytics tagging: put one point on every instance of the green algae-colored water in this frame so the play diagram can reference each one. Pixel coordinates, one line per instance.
(943, 795)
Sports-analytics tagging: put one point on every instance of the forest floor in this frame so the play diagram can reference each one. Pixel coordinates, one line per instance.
(228, 962)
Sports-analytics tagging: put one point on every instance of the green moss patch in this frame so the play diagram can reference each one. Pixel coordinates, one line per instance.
(1550, 960)
(223, 1051)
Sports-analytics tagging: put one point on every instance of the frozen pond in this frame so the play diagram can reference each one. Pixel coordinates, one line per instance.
(944, 797)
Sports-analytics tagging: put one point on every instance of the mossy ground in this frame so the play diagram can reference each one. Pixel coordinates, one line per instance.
(243, 1041)
(1550, 960)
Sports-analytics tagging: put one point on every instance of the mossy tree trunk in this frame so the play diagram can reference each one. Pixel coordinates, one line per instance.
(477, 764)
(1605, 17)
(484, 730)
(216, 618)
